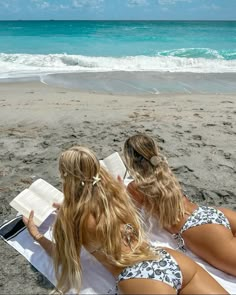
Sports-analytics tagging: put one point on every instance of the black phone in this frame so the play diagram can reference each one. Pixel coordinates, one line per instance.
(12, 228)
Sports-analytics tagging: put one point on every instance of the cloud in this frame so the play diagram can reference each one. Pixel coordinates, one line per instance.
(172, 2)
(4, 4)
(88, 3)
(8, 4)
(41, 4)
(61, 6)
(48, 4)
(132, 3)
(210, 7)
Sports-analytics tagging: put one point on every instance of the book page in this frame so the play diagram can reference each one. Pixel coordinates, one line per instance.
(46, 191)
(103, 164)
(27, 201)
(115, 165)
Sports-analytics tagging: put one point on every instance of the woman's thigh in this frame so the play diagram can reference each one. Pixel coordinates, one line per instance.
(145, 286)
(215, 244)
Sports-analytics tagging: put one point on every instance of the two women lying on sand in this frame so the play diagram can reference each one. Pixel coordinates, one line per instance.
(98, 213)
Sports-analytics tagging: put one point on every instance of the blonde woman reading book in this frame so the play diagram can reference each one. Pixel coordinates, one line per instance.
(209, 232)
(98, 214)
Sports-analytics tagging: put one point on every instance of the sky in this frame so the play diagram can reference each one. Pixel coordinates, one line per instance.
(118, 9)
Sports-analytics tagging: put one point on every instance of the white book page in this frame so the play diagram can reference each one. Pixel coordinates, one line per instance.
(103, 164)
(115, 165)
(27, 201)
(46, 191)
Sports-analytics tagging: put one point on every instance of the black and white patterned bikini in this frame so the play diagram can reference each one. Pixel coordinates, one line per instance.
(164, 269)
(202, 215)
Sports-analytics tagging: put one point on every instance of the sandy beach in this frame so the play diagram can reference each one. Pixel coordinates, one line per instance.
(197, 133)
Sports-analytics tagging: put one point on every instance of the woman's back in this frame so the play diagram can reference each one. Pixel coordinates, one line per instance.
(209, 232)
(168, 272)
(98, 214)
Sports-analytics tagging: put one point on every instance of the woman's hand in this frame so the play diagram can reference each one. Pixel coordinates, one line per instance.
(120, 179)
(37, 236)
(56, 206)
(32, 228)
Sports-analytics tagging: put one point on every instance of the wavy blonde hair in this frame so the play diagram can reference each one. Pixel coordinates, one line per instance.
(162, 193)
(108, 203)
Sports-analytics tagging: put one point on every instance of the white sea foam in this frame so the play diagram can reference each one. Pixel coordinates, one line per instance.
(207, 53)
(24, 65)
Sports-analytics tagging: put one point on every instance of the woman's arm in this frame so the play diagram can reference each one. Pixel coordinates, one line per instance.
(37, 236)
(136, 195)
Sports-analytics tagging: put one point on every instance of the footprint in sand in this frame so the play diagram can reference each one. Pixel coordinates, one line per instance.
(226, 101)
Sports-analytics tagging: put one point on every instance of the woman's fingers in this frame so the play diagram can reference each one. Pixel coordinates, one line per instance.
(32, 228)
(120, 179)
(25, 220)
(56, 206)
(31, 216)
(30, 219)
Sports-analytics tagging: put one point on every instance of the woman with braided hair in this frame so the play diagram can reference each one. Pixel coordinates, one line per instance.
(207, 231)
(97, 213)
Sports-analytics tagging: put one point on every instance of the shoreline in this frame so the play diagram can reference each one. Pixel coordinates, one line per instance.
(196, 132)
(137, 83)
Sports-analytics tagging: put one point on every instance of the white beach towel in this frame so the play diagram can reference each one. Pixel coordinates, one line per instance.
(96, 279)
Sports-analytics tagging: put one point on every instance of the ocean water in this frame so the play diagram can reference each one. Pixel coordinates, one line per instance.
(39, 49)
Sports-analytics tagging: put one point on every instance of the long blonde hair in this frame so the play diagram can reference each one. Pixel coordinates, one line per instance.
(90, 191)
(162, 193)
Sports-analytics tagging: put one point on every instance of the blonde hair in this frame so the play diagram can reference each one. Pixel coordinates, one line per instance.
(108, 203)
(163, 197)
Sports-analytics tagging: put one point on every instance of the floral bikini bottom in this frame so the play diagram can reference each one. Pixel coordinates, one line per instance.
(164, 269)
(202, 215)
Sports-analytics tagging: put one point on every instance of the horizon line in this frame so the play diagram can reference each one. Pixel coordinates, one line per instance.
(131, 20)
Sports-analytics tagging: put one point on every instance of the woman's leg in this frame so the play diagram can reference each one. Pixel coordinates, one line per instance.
(195, 279)
(145, 286)
(203, 283)
(213, 243)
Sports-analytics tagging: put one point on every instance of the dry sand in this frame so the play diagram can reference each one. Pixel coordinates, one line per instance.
(196, 132)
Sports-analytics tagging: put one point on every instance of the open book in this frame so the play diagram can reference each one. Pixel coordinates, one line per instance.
(116, 166)
(38, 197)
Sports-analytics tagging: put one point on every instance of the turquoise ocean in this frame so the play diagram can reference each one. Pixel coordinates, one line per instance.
(45, 49)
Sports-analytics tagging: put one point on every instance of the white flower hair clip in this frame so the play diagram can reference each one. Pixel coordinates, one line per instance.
(65, 174)
(96, 179)
(155, 160)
